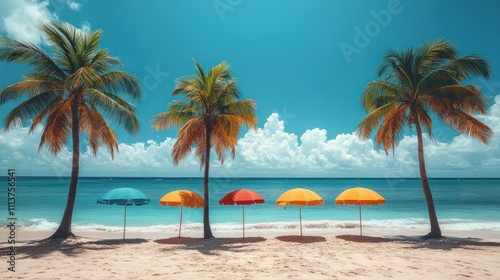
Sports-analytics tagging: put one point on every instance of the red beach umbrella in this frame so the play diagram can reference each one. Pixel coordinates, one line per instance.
(241, 197)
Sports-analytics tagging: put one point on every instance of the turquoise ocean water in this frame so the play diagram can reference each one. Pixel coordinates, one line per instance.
(462, 204)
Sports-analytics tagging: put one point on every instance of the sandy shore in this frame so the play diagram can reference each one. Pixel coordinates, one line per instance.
(278, 257)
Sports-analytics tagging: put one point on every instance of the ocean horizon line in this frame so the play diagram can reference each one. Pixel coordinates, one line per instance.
(250, 178)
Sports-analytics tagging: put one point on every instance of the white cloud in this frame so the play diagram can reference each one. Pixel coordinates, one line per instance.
(86, 27)
(20, 18)
(269, 151)
(73, 5)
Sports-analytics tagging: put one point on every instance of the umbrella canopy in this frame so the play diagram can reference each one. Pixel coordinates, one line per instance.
(126, 197)
(182, 198)
(299, 197)
(241, 197)
(360, 196)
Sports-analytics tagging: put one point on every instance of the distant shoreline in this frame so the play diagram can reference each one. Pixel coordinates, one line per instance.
(253, 178)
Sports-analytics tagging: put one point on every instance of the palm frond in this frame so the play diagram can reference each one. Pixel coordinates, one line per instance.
(27, 89)
(379, 93)
(115, 107)
(63, 48)
(57, 127)
(42, 76)
(224, 136)
(37, 120)
(24, 52)
(192, 133)
(245, 109)
(372, 120)
(90, 43)
(84, 77)
(396, 69)
(178, 113)
(470, 66)
(102, 62)
(467, 125)
(435, 79)
(217, 75)
(391, 128)
(467, 98)
(431, 55)
(200, 73)
(30, 108)
(121, 81)
(98, 130)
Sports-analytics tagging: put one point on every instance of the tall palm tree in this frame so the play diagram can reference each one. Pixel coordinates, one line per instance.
(210, 117)
(414, 85)
(67, 92)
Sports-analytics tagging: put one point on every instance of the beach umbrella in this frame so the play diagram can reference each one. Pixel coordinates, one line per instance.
(299, 197)
(126, 197)
(182, 198)
(360, 196)
(241, 197)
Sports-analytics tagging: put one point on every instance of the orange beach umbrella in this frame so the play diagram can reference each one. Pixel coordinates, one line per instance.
(241, 197)
(360, 196)
(182, 198)
(299, 197)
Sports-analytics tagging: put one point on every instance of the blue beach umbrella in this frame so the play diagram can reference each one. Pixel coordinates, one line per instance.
(126, 197)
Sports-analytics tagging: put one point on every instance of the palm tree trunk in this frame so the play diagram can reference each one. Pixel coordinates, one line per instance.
(207, 230)
(64, 229)
(435, 230)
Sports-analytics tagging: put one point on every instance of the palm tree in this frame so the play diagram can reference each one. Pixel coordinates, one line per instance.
(211, 117)
(67, 92)
(414, 85)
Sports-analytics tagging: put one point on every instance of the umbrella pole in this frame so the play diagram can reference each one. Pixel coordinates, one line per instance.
(124, 220)
(243, 221)
(180, 224)
(300, 215)
(360, 223)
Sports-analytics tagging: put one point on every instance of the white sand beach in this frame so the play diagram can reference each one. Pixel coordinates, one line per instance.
(152, 256)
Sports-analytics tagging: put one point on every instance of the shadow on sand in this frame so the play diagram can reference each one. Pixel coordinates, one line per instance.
(445, 243)
(213, 241)
(211, 246)
(366, 239)
(301, 239)
(69, 247)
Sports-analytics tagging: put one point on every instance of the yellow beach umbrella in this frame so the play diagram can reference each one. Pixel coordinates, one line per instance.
(182, 198)
(299, 197)
(360, 196)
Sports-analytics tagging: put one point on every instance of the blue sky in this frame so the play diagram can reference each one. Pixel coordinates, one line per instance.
(305, 63)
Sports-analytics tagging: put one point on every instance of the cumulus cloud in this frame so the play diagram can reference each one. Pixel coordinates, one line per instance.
(269, 151)
(86, 27)
(73, 5)
(20, 18)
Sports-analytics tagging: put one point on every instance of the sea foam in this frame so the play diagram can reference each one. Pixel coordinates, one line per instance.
(382, 224)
